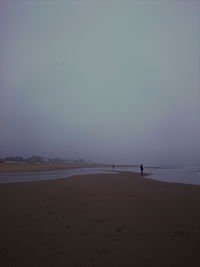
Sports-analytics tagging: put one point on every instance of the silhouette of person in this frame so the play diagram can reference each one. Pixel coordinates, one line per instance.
(113, 167)
(141, 169)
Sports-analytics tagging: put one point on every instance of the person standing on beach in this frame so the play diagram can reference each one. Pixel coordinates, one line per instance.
(113, 167)
(141, 169)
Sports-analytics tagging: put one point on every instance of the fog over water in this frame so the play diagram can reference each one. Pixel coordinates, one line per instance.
(114, 81)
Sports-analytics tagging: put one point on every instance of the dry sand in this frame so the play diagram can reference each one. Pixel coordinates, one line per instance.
(99, 220)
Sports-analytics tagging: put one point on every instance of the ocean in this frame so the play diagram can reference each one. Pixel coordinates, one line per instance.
(184, 175)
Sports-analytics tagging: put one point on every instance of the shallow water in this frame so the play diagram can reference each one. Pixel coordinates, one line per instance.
(186, 175)
(183, 175)
(17, 177)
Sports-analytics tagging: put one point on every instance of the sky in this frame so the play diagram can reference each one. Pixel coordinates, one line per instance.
(107, 81)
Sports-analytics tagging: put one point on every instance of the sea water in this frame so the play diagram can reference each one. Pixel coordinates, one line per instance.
(185, 175)
(16, 177)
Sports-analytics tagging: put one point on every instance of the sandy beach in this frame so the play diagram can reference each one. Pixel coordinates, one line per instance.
(100, 220)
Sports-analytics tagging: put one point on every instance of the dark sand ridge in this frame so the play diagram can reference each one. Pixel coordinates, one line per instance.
(100, 220)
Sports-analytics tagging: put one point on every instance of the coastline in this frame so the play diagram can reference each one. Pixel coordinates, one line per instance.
(100, 220)
(40, 167)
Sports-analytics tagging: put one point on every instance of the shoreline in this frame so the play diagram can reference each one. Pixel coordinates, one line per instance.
(40, 167)
(41, 172)
(99, 220)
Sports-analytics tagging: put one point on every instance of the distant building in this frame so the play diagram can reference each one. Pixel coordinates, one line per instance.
(13, 159)
(35, 159)
(39, 159)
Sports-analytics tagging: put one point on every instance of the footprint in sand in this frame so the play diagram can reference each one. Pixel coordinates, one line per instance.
(83, 234)
(177, 234)
(96, 220)
(119, 229)
(104, 250)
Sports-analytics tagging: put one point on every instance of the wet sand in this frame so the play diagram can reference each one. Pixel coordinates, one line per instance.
(100, 220)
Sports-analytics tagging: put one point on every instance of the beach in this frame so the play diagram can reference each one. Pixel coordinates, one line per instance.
(100, 220)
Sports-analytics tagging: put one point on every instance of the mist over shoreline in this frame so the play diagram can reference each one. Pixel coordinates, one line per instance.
(113, 82)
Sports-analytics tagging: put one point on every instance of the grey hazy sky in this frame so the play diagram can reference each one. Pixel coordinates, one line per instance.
(107, 81)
